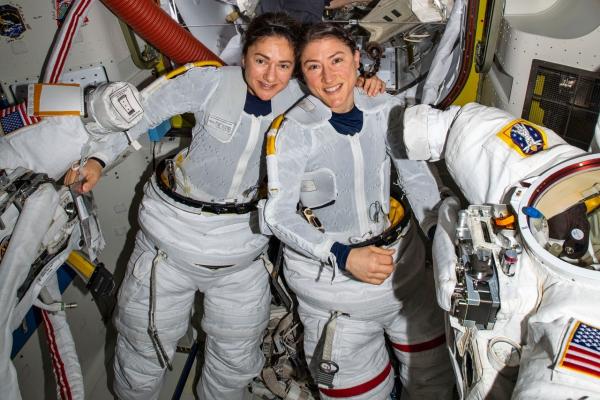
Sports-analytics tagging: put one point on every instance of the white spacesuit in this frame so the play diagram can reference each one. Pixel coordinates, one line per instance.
(539, 334)
(188, 243)
(38, 225)
(41, 224)
(345, 179)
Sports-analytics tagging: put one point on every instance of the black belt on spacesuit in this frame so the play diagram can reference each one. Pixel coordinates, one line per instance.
(162, 180)
(391, 234)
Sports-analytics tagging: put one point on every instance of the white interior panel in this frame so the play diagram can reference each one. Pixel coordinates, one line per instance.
(527, 6)
(506, 84)
(99, 42)
(206, 21)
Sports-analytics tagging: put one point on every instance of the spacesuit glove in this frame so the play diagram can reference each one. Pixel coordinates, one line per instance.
(88, 175)
(370, 264)
(443, 252)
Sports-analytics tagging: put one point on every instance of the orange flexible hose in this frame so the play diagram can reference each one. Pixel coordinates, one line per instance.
(154, 25)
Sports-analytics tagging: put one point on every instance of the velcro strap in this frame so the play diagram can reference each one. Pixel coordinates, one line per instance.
(326, 367)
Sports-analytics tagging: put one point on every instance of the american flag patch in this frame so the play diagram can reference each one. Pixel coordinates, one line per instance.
(580, 350)
(15, 117)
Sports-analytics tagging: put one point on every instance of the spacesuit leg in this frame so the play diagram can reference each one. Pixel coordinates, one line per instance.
(359, 350)
(417, 331)
(418, 340)
(138, 372)
(236, 313)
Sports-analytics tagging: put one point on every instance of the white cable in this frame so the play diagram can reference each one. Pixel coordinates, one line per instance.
(509, 371)
(53, 307)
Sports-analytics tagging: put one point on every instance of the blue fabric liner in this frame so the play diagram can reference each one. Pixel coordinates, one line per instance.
(341, 252)
(348, 123)
(256, 106)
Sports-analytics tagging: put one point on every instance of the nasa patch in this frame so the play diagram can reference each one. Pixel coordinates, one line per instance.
(524, 137)
(12, 24)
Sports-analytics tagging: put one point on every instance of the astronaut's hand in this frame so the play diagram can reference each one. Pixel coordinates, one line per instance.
(372, 86)
(88, 175)
(370, 264)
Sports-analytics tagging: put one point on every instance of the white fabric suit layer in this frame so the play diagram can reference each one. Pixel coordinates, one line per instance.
(537, 304)
(187, 247)
(308, 148)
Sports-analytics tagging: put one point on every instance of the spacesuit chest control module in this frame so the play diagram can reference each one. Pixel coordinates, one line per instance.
(543, 246)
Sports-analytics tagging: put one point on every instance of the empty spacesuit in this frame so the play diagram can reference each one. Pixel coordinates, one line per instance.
(534, 331)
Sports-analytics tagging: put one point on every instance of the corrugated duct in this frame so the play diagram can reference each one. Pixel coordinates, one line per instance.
(149, 21)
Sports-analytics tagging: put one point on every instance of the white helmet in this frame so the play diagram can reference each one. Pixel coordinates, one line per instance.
(559, 218)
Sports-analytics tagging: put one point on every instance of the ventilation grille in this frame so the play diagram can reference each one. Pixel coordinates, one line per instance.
(564, 99)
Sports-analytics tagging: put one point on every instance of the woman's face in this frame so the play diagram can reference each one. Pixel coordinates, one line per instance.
(268, 66)
(329, 68)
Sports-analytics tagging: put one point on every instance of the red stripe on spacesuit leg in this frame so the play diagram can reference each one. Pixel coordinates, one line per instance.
(57, 364)
(359, 389)
(416, 347)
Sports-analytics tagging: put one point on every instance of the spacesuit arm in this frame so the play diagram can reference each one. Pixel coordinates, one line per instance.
(49, 147)
(443, 252)
(421, 189)
(415, 178)
(186, 93)
(488, 150)
(425, 131)
(286, 165)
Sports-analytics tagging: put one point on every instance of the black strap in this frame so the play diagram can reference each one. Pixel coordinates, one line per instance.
(391, 234)
(215, 208)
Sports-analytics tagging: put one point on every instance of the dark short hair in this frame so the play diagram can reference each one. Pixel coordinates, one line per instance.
(324, 30)
(271, 24)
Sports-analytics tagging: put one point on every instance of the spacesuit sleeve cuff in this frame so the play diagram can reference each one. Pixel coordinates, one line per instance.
(416, 134)
(101, 162)
(428, 225)
(102, 158)
(340, 252)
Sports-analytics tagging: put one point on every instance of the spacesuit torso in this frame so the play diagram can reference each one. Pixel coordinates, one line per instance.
(345, 179)
(223, 162)
(221, 165)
